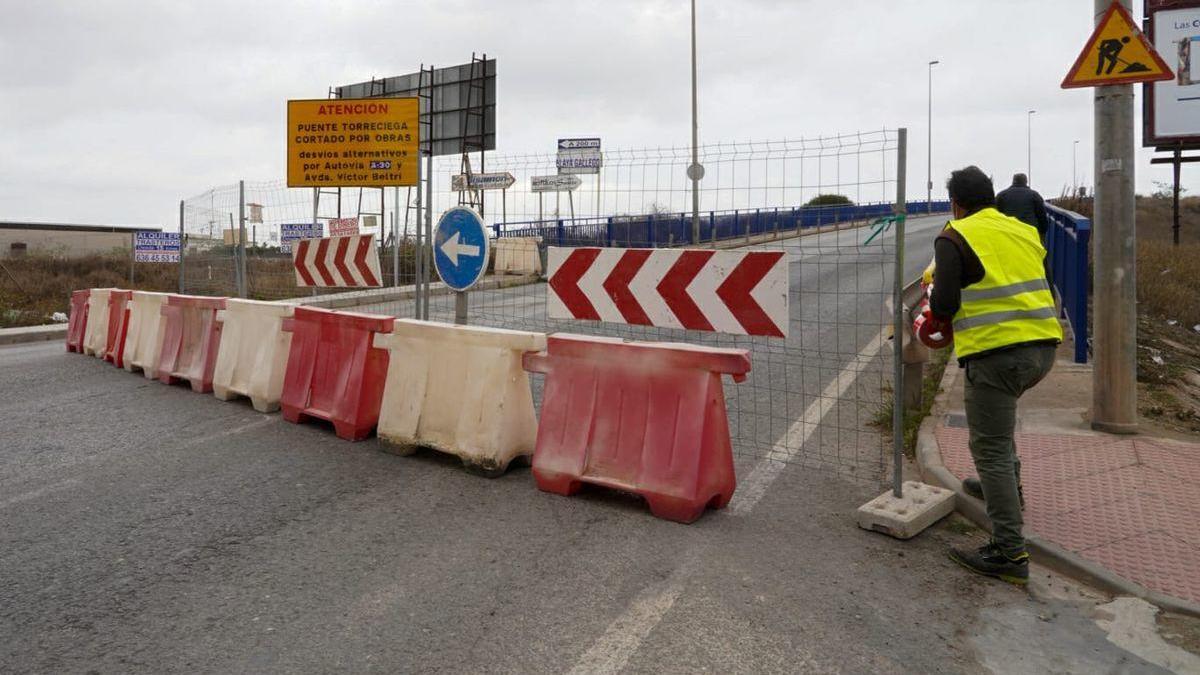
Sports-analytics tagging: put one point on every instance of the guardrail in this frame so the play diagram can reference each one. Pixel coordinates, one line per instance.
(1067, 244)
(671, 229)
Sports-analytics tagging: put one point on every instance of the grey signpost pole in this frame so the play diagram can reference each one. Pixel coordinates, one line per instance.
(396, 236)
(181, 246)
(132, 254)
(695, 141)
(1114, 272)
(241, 247)
(898, 319)
(418, 240)
(460, 308)
(428, 264)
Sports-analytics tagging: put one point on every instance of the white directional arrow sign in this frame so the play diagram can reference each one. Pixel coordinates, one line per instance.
(482, 181)
(453, 249)
(556, 183)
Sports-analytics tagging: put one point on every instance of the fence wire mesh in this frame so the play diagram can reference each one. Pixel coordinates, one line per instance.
(818, 398)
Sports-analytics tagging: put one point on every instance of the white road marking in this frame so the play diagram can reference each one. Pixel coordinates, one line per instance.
(34, 494)
(789, 445)
(624, 636)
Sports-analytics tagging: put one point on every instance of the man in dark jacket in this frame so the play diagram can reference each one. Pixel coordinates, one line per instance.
(1023, 203)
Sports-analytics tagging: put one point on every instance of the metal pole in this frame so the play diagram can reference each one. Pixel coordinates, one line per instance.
(316, 221)
(1175, 198)
(898, 319)
(695, 141)
(1114, 272)
(418, 257)
(242, 238)
(929, 138)
(396, 236)
(571, 201)
(428, 252)
(539, 209)
(504, 206)
(133, 253)
(1074, 171)
(1029, 146)
(460, 308)
(181, 246)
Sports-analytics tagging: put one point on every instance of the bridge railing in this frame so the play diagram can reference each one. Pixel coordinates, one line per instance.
(1067, 244)
(672, 229)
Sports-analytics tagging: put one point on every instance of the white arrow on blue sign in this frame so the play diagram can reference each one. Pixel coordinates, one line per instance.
(460, 248)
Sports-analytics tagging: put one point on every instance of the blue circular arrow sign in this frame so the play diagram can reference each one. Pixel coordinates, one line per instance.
(460, 248)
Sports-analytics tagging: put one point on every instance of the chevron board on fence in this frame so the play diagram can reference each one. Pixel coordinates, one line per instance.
(351, 261)
(738, 292)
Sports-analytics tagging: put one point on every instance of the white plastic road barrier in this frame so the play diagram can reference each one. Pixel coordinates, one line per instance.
(518, 255)
(460, 390)
(144, 337)
(95, 341)
(253, 356)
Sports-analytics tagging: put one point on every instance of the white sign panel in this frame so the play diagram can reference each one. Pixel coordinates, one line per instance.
(156, 247)
(579, 155)
(560, 183)
(1177, 101)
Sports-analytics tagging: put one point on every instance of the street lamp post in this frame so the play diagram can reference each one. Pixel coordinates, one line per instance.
(694, 171)
(929, 140)
(1029, 146)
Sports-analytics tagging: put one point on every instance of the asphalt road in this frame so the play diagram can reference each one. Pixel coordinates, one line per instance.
(146, 528)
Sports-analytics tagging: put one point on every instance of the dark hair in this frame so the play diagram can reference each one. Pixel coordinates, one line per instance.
(971, 189)
(1020, 179)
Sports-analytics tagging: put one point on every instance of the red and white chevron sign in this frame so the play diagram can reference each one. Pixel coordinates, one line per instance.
(337, 262)
(739, 292)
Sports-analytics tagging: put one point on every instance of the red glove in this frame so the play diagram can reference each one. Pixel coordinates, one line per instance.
(932, 331)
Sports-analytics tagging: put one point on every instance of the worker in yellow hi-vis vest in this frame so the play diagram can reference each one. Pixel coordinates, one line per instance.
(991, 285)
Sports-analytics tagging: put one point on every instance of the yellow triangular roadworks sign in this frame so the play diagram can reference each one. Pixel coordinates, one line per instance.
(1117, 53)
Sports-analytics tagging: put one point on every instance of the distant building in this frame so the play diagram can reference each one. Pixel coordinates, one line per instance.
(64, 239)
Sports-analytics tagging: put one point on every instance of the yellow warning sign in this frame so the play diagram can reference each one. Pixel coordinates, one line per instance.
(1117, 53)
(352, 142)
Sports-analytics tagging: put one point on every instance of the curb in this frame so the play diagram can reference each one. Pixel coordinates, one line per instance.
(1047, 553)
(394, 293)
(27, 334)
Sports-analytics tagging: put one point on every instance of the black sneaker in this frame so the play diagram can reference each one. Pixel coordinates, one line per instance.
(988, 560)
(974, 488)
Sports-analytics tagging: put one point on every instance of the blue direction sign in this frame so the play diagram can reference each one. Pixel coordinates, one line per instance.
(460, 248)
(293, 232)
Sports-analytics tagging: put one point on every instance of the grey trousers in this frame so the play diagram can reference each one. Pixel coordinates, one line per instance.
(994, 383)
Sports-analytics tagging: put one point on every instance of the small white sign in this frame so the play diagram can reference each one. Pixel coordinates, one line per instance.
(559, 183)
(579, 155)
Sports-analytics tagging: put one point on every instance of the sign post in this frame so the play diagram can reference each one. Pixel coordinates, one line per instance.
(460, 254)
(1114, 57)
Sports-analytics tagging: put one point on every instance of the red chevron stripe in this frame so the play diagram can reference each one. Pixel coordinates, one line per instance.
(617, 286)
(735, 292)
(298, 261)
(339, 261)
(673, 289)
(565, 283)
(319, 263)
(360, 260)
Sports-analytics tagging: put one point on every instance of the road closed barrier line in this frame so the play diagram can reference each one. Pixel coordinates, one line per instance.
(459, 390)
(118, 324)
(191, 337)
(77, 321)
(334, 373)
(253, 354)
(646, 418)
(95, 339)
(144, 335)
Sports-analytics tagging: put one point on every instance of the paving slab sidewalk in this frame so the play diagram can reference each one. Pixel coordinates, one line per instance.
(1121, 505)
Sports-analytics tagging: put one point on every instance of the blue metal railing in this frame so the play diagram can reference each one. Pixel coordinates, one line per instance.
(671, 229)
(1067, 242)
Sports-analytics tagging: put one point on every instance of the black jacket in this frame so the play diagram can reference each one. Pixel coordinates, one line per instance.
(1024, 204)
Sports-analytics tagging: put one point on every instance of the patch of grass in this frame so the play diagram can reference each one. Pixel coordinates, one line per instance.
(930, 387)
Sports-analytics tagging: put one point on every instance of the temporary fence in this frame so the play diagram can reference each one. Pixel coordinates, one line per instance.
(818, 398)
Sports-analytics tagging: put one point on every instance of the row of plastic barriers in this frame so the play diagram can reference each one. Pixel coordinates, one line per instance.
(645, 418)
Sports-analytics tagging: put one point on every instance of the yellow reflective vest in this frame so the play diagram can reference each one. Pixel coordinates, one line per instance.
(1012, 304)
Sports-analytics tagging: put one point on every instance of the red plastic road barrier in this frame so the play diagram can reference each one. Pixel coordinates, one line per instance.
(118, 325)
(334, 373)
(646, 418)
(77, 324)
(191, 336)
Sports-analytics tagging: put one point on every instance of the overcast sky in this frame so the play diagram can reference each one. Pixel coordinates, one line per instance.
(111, 112)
